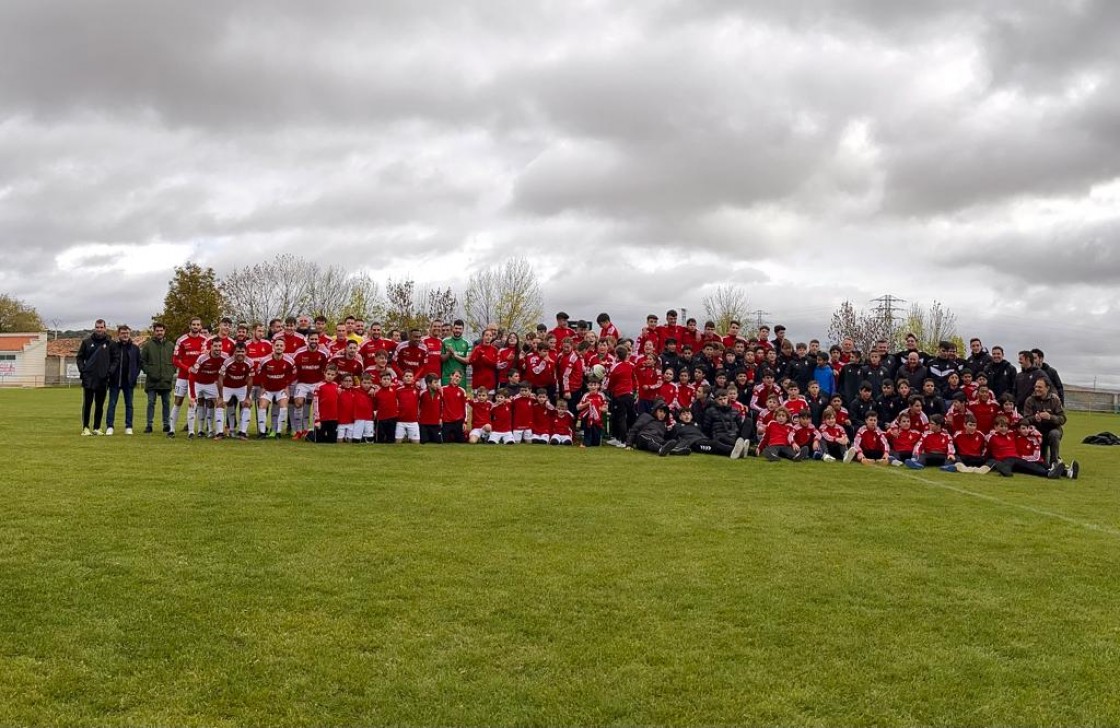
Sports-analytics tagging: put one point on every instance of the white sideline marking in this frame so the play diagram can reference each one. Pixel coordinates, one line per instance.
(1037, 511)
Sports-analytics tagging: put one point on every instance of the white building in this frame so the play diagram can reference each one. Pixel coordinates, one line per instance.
(23, 359)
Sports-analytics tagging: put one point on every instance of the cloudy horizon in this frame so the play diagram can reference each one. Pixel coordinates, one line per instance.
(639, 155)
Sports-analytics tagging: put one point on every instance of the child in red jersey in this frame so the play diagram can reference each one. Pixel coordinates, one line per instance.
(667, 392)
(454, 415)
(363, 410)
(843, 418)
(430, 414)
(834, 438)
(326, 408)
(1008, 410)
(935, 449)
(779, 438)
(1021, 452)
(522, 404)
(501, 420)
(408, 409)
(903, 439)
(346, 405)
(984, 409)
(385, 405)
(869, 446)
(955, 417)
(795, 403)
(918, 420)
(592, 407)
(480, 406)
(806, 438)
(972, 448)
(563, 425)
(542, 418)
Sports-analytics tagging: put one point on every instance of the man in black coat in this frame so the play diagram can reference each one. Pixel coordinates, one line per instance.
(1025, 380)
(124, 370)
(1051, 373)
(1001, 374)
(93, 366)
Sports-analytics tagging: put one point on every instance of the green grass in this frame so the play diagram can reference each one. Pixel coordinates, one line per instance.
(153, 582)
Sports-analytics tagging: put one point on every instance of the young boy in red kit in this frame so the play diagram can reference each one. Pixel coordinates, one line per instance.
(592, 407)
(430, 411)
(779, 438)
(972, 448)
(385, 405)
(501, 420)
(326, 409)
(480, 406)
(563, 425)
(935, 449)
(834, 438)
(522, 404)
(870, 446)
(806, 438)
(454, 415)
(903, 439)
(408, 410)
(346, 406)
(363, 410)
(542, 418)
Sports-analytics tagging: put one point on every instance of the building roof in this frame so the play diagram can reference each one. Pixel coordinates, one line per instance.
(69, 347)
(63, 347)
(17, 342)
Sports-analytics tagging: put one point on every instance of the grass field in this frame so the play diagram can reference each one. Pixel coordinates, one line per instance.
(145, 581)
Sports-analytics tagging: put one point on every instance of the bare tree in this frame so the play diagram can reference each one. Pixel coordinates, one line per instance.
(275, 288)
(509, 296)
(441, 304)
(726, 304)
(933, 325)
(365, 299)
(402, 310)
(328, 291)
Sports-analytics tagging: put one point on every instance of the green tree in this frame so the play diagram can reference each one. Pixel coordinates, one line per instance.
(192, 291)
(15, 315)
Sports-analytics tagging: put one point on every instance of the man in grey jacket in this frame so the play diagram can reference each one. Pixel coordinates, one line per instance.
(1044, 410)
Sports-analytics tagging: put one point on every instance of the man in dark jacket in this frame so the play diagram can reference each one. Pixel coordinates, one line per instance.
(648, 432)
(913, 371)
(978, 358)
(944, 364)
(1028, 375)
(1001, 374)
(159, 373)
(124, 370)
(93, 366)
(1051, 373)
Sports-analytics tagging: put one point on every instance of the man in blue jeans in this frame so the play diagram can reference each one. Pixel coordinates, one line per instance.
(124, 370)
(159, 373)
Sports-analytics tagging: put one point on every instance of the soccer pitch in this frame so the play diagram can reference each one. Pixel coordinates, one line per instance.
(151, 581)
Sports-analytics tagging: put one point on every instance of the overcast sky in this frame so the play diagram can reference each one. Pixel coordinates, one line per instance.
(637, 153)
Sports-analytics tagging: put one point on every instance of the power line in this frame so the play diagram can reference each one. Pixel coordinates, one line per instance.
(758, 316)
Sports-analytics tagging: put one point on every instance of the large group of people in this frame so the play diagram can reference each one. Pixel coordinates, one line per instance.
(673, 390)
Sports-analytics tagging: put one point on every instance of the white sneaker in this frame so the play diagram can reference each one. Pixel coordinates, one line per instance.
(109, 431)
(850, 455)
(128, 430)
(86, 432)
(828, 458)
(737, 451)
(98, 432)
(896, 462)
(983, 470)
(962, 468)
